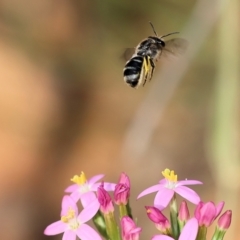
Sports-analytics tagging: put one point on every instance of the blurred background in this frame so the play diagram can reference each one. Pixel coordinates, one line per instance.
(64, 107)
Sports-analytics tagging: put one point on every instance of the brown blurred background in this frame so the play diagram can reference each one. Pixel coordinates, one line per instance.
(65, 108)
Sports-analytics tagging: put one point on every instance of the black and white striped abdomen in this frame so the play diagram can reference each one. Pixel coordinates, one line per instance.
(133, 71)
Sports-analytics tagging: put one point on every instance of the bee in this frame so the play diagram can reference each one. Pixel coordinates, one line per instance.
(139, 69)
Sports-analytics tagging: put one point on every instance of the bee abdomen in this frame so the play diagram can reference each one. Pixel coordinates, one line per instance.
(132, 71)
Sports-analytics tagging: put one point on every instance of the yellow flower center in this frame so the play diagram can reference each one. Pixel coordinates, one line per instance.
(80, 180)
(70, 219)
(169, 175)
(70, 215)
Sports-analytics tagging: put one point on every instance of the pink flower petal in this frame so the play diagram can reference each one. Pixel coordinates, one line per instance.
(163, 197)
(95, 186)
(207, 214)
(55, 228)
(197, 212)
(135, 230)
(188, 182)
(72, 188)
(188, 194)
(69, 235)
(109, 186)
(161, 237)
(85, 232)
(94, 179)
(163, 181)
(149, 190)
(87, 198)
(89, 212)
(129, 230)
(219, 208)
(106, 185)
(76, 195)
(67, 203)
(190, 230)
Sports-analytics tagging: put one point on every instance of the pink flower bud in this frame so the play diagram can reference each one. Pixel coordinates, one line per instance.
(122, 190)
(156, 216)
(124, 179)
(206, 213)
(105, 200)
(129, 230)
(224, 221)
(183, 214)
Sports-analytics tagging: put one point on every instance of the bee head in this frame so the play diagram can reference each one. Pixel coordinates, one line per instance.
(158, 41)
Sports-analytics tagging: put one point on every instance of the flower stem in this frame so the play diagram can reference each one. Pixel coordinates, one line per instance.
(129, 210)
(202, 233)
(218, 235)
(125, 210)
(99, 223)
(122, 210)
(174, 217)
(112, 228)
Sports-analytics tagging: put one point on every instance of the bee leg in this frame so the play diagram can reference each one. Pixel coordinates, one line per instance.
(146, 68)
(153, 67)
(145, 79)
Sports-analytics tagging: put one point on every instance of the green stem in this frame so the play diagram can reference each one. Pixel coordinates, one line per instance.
(125, 210)
(174, 217)
(111, 227)
(129, 210)
(218, 234)
(202, 233)
(100, 224)
(122, 210)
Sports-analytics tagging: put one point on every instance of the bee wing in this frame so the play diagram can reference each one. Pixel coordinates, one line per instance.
(175, 47)
(128, 53)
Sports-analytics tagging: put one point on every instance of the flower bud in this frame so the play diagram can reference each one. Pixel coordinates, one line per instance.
(106, 205)
(156, 216)
(207, 212)
(183, 214)
(223, 224)
(129, 230)
(122, 190)
(224, 220)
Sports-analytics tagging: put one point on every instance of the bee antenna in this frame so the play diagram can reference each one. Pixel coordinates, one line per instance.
(169, 34)
(153, 29)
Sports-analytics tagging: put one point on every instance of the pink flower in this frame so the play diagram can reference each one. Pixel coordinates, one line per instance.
(167, 187)
(122, 190)
(183, 214)
(106, 204)
(224, 221)
(72, 224)
(155, 215)
(83, 189)
(189, 232)
(129, 229)
(161, 222)
(207, 212)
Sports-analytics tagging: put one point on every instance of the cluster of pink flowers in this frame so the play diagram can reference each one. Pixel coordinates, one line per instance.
(96, 203)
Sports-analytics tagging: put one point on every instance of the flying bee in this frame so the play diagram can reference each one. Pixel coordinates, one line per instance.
(139, 69)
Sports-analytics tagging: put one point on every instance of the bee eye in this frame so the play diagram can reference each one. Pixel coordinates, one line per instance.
(162, 43)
